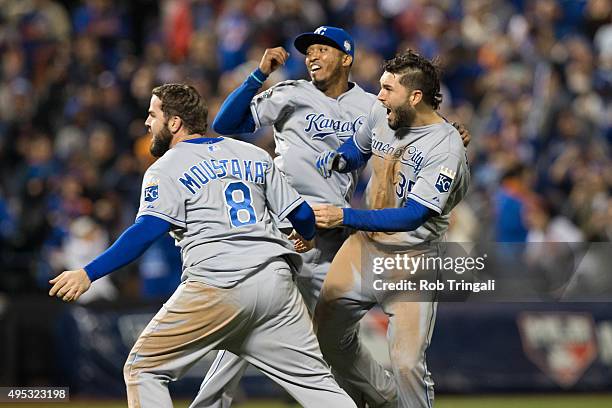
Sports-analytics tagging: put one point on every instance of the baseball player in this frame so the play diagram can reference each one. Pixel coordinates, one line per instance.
(309, 117)
(216, 197)
(420, 173)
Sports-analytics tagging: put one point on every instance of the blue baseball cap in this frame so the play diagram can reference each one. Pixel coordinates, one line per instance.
(332, 36)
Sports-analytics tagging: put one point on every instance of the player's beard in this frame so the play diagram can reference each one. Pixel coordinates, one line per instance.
(161, 142)
(403, 116)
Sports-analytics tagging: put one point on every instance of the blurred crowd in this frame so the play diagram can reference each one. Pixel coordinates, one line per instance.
(531, 79)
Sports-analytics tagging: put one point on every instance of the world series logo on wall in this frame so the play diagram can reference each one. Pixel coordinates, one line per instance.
(562, 344)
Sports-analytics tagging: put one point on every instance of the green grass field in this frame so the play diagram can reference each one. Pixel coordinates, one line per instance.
(497, 401)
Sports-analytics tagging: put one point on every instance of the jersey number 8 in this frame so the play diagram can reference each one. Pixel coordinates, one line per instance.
(238, 201)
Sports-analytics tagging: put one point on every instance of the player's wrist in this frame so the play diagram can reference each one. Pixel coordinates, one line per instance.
(339, 163)
(347, 213)
(85, 275)
(259, 76)
(89, 271)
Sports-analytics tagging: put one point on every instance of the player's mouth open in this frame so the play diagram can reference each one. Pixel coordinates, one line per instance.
(314, 68)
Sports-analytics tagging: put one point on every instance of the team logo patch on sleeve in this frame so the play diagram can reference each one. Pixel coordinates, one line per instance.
(151, 191)
(445, 180)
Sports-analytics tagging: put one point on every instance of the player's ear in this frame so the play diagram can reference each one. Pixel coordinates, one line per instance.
(175, 124)
(415, 97)
(347, 60)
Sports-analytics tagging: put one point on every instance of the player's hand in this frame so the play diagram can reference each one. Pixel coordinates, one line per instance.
(301, 244)
(272, 59)
(70, 285)
(328, 216)
(466, 137)
(329, 161)
(325, 161)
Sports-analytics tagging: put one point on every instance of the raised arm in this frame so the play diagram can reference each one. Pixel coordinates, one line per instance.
(235, 115)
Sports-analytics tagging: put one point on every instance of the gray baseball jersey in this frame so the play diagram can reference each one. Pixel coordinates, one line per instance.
(218, 195)
(427, 164)
(306, 123)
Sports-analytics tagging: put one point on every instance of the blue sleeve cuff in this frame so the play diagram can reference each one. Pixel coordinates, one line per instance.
(407, 218)
(354, 157)
(129, 246)
(259, 76)
(302, 219)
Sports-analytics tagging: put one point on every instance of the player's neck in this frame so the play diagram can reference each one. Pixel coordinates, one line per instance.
(335, 86)
(337, 89)
(425, 117)
(182, 136)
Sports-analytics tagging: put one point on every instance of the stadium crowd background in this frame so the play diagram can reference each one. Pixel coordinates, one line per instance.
(531, 79)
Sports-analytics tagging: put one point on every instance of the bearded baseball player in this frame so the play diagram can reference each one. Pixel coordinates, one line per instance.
(309, 118)
(420, 173)
(216, 197)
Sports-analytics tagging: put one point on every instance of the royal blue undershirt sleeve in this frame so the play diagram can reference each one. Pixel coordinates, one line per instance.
(353, 156)
(235, 113)
(303, 220)
(129, 246)
(407, 218)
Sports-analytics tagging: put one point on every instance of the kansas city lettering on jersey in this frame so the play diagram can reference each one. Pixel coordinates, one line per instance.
(409, 155)
(200, 174)
(325, 126)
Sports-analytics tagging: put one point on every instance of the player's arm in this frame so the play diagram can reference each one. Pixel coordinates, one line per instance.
(407, 218)
(351, 155)
(347, 158)
(235, 114)
(285, 202)
(302, 219)
(69, 285)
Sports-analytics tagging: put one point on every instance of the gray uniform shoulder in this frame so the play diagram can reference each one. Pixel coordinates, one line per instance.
(281, 92)
(449, 141)
(165, 163)
(256, 151)
(288, 85)
(378, 113)
(360, 92)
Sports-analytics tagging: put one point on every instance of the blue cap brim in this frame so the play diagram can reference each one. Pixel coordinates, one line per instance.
(303, 41)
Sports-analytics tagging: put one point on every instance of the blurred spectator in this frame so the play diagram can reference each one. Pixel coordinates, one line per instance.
(84, 242)
(513, 200)
(545, 226)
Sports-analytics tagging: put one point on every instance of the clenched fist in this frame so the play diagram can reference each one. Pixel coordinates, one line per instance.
(272, 59)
